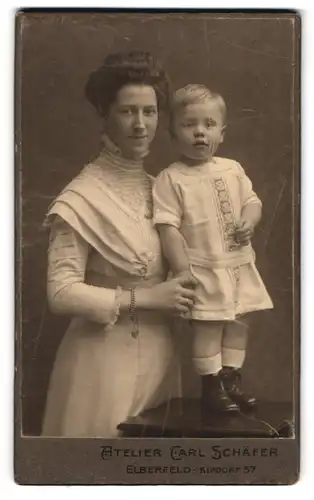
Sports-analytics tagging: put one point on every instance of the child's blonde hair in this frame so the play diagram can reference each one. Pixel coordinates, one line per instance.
(191, 94)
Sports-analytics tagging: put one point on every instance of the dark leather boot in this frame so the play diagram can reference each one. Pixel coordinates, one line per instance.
(231, 379)
(214, 396)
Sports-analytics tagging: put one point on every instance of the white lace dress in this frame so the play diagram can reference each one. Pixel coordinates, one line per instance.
(102, 238)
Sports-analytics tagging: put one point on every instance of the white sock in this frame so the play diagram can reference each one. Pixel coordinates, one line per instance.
(232, 357)
(208, 366)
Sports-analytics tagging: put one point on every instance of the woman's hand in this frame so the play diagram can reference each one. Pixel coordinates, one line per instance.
(176, 295)
(191, 281)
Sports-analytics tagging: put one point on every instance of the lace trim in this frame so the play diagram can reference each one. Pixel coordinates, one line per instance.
(133, 187)
(225, 213)
(227, 223)
(116, 308)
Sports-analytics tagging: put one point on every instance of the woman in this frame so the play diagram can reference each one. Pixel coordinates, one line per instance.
(105, 267)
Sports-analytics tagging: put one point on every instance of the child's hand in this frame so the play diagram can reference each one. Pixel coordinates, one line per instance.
(244, 232)
(189, 278)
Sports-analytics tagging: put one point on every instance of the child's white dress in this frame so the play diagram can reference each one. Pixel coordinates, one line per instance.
(205, 203)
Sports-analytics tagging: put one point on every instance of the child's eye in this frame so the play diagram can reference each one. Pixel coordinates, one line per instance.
(126, 111)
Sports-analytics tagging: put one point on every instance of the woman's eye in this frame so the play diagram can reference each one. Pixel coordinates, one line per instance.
(150, 112)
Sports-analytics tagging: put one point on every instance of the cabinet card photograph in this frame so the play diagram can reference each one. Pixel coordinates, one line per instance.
(157, 247)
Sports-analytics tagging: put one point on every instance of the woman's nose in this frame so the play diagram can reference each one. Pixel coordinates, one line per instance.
(138, 123)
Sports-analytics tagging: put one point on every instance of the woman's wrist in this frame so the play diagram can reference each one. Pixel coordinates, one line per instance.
(144, 299)
(125, 300)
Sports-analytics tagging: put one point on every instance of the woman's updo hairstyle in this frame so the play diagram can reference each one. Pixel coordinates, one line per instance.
(125, 68)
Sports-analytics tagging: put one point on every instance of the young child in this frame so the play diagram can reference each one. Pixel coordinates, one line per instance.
(205, 211)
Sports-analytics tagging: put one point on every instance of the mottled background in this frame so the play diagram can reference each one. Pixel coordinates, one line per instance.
(247, 59)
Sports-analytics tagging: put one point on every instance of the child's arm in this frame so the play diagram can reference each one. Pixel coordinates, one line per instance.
(173, 246)
(168, 213)
(250, 217)
(251, 212)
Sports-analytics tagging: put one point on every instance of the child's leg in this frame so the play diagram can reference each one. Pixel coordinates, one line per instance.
(234, 344)
(207, 343)
(207, 362)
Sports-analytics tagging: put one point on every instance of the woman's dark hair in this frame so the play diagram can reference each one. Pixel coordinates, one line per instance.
(122, 69)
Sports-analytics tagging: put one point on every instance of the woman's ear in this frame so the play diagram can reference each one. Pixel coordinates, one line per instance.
(171, 130)
(103, 124)
(171, 127)
(171, 133)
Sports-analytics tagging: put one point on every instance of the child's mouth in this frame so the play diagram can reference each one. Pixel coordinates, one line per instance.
(200, 144)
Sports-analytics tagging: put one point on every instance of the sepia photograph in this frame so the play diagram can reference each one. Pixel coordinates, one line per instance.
(157, 278)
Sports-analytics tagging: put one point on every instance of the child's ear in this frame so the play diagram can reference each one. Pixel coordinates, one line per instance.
(223, 130)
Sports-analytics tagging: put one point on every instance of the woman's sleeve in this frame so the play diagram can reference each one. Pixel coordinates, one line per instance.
(66, 290)
(247, 193)
(167, 206)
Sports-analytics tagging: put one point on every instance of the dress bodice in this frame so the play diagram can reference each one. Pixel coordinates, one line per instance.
(110, 205)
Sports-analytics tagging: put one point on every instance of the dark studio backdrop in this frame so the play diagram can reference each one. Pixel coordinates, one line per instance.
(250, 62)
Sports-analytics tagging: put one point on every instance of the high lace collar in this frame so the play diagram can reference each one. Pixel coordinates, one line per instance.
(110, 151)
(125, 178)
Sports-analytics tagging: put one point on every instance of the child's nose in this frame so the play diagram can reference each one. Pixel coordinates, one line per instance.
(199, 131)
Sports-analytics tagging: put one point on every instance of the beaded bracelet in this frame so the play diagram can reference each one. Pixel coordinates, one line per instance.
(133, 315)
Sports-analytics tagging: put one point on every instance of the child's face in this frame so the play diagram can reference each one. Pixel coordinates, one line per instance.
(198, 129)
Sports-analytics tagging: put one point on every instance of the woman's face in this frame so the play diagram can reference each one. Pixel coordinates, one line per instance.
(132, 120)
